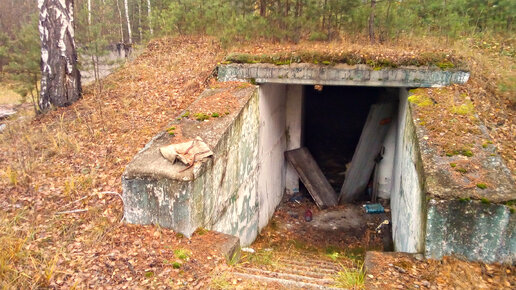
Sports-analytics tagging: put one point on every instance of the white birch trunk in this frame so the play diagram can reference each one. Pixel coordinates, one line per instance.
(60, 78)
(129, 32)
(149, 16)
(121, 24)
(89, 12)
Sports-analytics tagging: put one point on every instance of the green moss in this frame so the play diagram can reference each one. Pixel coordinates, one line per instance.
(176, 265)
(171, 132)
(352, 58)
(444, 65)
(185, 114)
(149, 274)
(461, 170)
(482, 185)
(464, 199)
(201, 117)
(466, 152)
(421, 101)
(465, 109)
(182, 254)
(215, 115)
(453, 165)
(512, 210)
(485, 200)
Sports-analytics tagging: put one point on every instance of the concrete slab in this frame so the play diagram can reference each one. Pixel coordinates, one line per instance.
(341, 75)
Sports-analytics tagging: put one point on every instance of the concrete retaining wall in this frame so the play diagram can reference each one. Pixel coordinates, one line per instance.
(407, 197)
(271, 176)
(237, 191)
(222, 196)
(471, 229)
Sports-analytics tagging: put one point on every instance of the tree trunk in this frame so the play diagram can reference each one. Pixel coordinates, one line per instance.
(60, 78)
(128, 20)
(149, 16)
(121, 24)
(89, 12)
(263, 8)
(371, 22)
(140, 30)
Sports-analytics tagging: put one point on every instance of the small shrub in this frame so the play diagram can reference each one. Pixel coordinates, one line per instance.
(318, 36)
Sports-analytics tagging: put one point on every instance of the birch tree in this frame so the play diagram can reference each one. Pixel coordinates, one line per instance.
(128, 20)
(60, 78)
(149, 16)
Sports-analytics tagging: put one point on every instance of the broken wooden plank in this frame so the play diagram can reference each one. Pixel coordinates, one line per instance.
(370, 143)
(312, 177)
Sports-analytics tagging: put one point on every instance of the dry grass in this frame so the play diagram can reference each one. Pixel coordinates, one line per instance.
(62, 160)
(8, 95)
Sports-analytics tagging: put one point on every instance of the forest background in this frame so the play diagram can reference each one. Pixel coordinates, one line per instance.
(102, 24)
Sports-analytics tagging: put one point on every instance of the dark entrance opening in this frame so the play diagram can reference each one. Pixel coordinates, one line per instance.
(334, 118)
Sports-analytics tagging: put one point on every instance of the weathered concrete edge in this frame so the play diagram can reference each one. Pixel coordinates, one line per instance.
(342, 75)
(471, 230)
(439, 186)
(173, 171)
(184, 205)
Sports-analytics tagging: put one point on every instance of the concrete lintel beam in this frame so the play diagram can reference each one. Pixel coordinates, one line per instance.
(342, 75)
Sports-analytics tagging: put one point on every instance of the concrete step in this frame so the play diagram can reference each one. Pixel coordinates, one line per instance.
(288, 283)
(312, 263)
(313, 272)
(296, 271)
(285, 275)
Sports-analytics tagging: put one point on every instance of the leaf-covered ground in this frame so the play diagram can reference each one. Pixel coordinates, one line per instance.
(62, 161)
(58, 228)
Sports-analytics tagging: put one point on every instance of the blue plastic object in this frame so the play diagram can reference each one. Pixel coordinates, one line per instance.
(374, 208)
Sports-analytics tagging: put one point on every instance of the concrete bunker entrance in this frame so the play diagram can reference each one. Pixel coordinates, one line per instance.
(238, 190)
(334, 117)
(329, 121)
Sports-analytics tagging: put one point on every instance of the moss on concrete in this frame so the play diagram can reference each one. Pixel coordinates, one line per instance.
(438, 60)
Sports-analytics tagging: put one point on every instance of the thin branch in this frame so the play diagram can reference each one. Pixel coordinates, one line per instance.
(72, 211)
